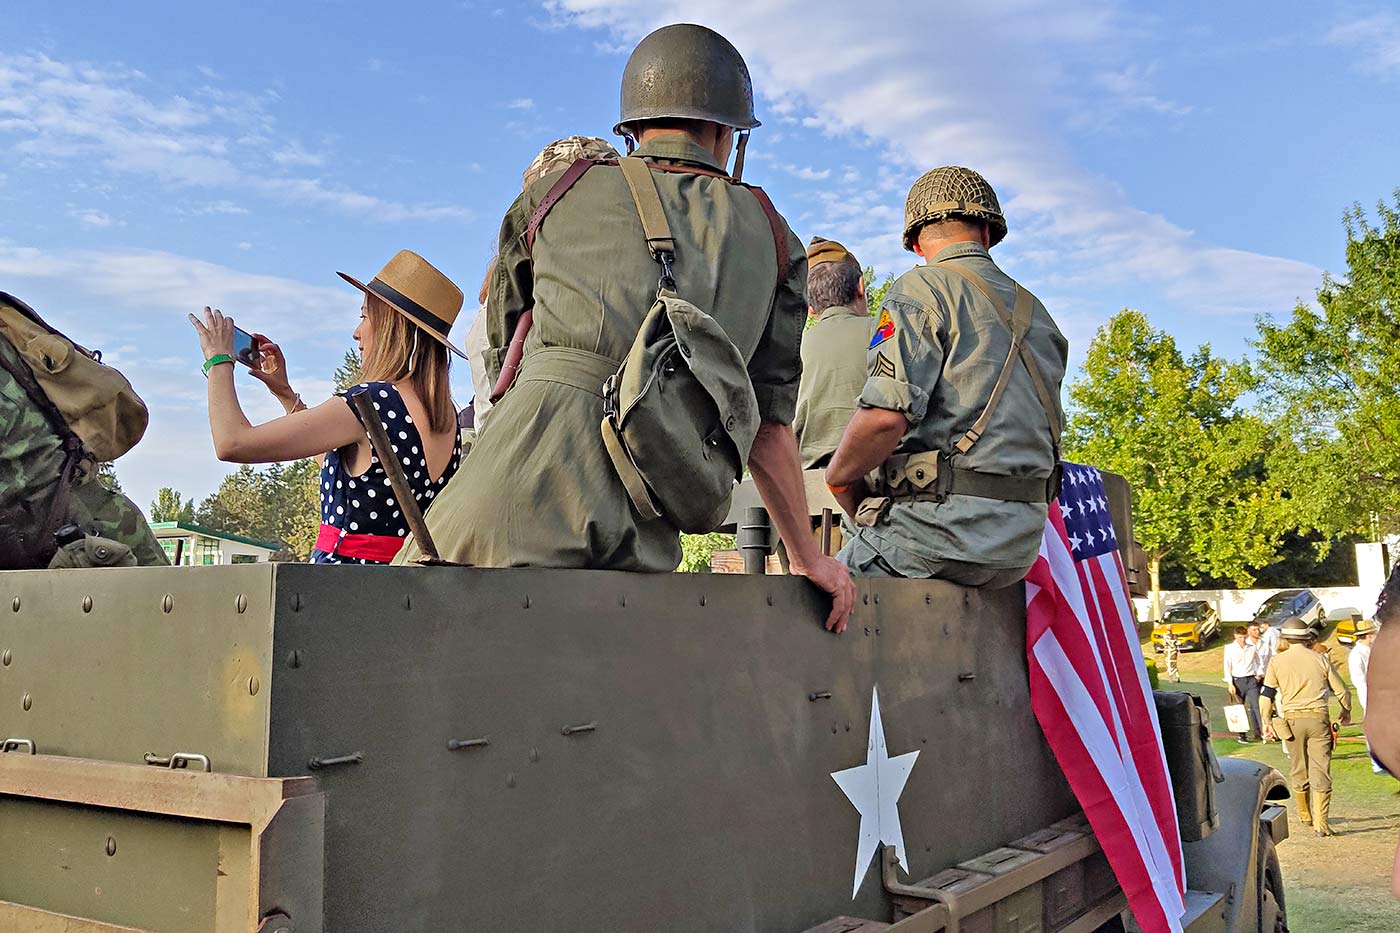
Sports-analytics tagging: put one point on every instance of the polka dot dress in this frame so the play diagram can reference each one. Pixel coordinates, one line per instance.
(364, 505)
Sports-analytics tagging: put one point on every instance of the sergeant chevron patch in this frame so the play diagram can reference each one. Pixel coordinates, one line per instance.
(882, 366)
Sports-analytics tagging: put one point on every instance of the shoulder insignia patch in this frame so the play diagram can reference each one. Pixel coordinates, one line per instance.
(882, 366)
(884, 329)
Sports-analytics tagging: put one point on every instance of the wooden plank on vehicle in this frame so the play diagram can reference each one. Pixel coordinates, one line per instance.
(199, 795)
(18, 918)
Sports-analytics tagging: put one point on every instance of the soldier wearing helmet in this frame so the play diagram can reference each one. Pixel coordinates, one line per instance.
(833, 350)
(950, 461)
(542, 489)
(1299, 681)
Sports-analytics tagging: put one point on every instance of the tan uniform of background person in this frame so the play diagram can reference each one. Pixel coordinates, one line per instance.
(833, 350)
(947, 467)
(541, 488)
(1301, 680)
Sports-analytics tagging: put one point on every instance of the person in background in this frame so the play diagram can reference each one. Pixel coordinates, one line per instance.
(833, 350)
(1359, 663)
(1304, 680)
(1268, 643)
(407, 313)
(1242, 675)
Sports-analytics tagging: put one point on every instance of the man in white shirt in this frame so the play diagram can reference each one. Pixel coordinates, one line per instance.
(1243, 675)
(1359, 662)
(1268, 643)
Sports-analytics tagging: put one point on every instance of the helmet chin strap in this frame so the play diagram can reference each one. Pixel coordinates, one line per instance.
(739, 146)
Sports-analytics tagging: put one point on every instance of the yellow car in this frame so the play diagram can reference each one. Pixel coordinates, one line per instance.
(1194, 624)
(1346, 630)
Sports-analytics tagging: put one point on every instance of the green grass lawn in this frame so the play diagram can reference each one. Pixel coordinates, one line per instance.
(1335, 885)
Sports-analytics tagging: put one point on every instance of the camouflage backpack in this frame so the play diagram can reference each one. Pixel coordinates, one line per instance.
(48, 475)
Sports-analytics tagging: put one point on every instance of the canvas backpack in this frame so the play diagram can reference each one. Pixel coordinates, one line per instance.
(95, 401)
(680, 413)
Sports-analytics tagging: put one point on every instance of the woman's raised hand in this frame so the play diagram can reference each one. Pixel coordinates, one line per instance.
(215, 333)
(272, 371)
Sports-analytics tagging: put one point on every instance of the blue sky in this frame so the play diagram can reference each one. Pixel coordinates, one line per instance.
(1193, 162)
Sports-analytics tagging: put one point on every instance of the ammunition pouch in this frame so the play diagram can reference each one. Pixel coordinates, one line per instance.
(931, 477)
(89, 550)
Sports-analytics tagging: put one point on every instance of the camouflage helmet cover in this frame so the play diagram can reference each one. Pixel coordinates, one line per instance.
(562, 153)
(951, 191)
(685, 71)
(1295, 630)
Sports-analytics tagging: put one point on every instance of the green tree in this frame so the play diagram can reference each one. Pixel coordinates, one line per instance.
(1175, 428)
(169, 507)
(279, 503)
(875, 294)
(1329, 377)
(696, 551)
(107, 476)
(349, 372)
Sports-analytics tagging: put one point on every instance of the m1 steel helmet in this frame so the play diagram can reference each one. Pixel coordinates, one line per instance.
(951, 191)
(686, 72)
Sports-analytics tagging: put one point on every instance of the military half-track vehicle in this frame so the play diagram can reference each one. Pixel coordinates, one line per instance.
(298, 748)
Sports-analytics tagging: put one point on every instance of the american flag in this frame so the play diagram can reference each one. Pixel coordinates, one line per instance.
(1089, 690)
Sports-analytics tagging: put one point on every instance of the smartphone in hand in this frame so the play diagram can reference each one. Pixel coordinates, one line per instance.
(245, 348)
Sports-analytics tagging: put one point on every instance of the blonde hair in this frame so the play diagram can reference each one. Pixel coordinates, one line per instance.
(399, 350)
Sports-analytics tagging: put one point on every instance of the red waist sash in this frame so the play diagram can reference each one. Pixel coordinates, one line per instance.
(378, 548)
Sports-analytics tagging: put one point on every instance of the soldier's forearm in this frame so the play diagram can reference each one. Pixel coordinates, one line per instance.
(776, 468)
(870, 438)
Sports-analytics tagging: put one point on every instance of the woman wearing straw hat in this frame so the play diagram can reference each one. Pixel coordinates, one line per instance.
(407, 313)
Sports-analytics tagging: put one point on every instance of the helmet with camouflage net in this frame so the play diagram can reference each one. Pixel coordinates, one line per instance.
(562, 153)
(951, 191)
(1296, 629)
(686, 72)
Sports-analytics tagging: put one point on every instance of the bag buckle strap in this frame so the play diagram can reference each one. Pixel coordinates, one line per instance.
(610, 397)
(667, 258)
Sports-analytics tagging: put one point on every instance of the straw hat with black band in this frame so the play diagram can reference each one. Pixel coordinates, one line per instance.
(410, 285)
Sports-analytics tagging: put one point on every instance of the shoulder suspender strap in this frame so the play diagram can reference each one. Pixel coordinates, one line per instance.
(775, 223)
(648, 201)
(556, 191)
(1018, 321)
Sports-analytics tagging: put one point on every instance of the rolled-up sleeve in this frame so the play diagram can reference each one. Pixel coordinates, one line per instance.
(903, 359)
(776, 365)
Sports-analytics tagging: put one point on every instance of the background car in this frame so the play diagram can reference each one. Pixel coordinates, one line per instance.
(1293, 604)
(1193, 623)
(1346, 625)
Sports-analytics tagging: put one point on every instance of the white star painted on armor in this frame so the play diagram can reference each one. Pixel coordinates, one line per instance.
(873, 789)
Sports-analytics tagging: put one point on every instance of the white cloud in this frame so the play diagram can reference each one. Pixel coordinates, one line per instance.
(95, 218)
(219, 207)
(995, 100)
(1376, 36)
(55, 113)
(806, 172)
(521, 103)
(244, 245)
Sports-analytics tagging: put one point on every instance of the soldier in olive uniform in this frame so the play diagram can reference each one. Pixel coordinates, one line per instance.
(541, 490)
(1299, 681)
(948, 466)
(833, 350)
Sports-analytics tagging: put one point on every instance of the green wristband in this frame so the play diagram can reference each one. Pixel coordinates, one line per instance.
(215, 360)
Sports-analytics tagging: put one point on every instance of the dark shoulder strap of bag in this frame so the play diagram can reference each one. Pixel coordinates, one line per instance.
(1018, 322)
(510, 366)
(72, 444)
(655, 227)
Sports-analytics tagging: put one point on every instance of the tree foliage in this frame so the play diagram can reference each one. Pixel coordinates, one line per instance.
(349, 372)
(278, 503)
(1174, 426)
(107, 476)
(696, 551)
(1329, 377)
(168, 506)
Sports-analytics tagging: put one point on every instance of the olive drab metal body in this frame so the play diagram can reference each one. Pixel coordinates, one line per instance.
(952, 191)
(286, 747)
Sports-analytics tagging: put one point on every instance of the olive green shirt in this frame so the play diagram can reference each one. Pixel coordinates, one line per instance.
(539, 488)
(937, 351)
(1303, 679)
(833, 374)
